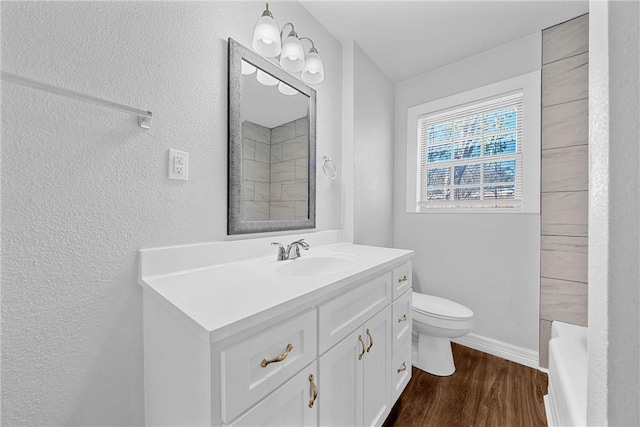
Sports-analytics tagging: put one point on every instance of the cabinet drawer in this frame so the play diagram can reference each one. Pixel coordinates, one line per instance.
(402, 319)
(259, 364)
(401, 280)
(344, 314)
(401, 368)
(288, 405)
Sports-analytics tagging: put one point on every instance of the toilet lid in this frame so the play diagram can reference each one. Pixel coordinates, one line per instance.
(440, 307)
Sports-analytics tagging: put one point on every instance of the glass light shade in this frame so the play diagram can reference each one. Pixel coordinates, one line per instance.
(313, 71)
(266, 79)
(266, 37)
(292, 55)
(248, 68)
(285, 89)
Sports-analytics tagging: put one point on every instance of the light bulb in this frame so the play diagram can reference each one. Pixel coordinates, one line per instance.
(313, 71)
(266, 35)
(292, 55)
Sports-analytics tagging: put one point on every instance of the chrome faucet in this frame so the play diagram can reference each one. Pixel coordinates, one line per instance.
(296, 246)
(285, 254)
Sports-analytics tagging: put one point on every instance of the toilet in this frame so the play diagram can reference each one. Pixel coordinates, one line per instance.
(437, 320)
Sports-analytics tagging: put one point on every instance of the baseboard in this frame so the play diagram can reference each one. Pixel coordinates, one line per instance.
(550, 408)
(547, 410)
(507, 351)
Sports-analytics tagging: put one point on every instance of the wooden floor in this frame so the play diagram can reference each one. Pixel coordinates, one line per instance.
(484, 391)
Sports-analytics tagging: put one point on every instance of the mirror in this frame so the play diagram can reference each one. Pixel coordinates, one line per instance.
(272, 155)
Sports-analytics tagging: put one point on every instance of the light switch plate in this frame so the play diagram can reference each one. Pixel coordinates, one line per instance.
(178, 165)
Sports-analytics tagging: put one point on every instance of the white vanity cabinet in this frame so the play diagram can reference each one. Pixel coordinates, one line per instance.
(355, 380)
(402, 327)
(329, 355)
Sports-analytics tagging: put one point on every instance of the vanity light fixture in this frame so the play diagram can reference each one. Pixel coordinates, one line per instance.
(266, 35)
(313, 71)
(291, 51)
(292, 55)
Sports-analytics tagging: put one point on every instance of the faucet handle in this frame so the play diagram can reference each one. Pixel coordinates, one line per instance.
(281, 252)
(302, 243)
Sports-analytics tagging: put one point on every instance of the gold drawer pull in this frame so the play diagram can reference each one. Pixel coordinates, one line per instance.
(313, 391)
(280, 358)
(404, 367)
(403, 318)
(403, 279)
(361, 342)
(370, 341)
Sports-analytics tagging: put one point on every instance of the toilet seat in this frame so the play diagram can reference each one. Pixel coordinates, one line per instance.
(441, 308)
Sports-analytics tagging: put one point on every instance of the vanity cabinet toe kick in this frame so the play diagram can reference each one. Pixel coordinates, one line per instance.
(352, 346)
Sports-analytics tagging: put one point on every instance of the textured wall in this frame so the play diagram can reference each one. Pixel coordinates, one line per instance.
(614, 214)
(488, 262)
(83, 188)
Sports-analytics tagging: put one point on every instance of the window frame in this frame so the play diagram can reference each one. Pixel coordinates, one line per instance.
(529, 84)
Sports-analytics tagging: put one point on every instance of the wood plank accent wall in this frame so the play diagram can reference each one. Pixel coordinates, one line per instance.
(565, 177)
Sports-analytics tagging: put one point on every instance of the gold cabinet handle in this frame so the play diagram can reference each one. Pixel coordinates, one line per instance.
(313, 391)
(279, 358)
(403, 318)
(403, 279)
(370, 341)
(404, 367)
(361, 342)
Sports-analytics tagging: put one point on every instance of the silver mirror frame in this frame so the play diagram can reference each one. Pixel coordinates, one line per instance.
(235, 223)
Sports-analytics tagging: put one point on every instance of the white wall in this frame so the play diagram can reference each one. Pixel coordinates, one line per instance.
(346, 160)
(366, 163)
(373, 152)
(488, 262)
(614, 214)
(83, 188)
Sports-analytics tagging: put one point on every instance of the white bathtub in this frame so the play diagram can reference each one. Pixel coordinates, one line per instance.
(566, 403)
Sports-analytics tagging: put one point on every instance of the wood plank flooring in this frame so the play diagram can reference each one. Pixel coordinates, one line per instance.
(484, 391)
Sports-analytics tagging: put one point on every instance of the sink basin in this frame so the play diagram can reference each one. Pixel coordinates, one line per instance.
(316, 266)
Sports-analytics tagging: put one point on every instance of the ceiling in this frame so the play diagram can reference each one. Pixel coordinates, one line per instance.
(409, 38)
(266, 106)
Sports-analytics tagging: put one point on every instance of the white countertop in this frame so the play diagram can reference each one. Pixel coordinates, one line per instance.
(226, 298)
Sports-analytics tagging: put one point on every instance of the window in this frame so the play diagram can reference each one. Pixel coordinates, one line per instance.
(471, 157)
(468, 151)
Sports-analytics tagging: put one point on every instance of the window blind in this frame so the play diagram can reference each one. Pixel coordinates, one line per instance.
(471, 156)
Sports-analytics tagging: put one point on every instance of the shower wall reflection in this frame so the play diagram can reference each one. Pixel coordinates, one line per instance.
(275, 163)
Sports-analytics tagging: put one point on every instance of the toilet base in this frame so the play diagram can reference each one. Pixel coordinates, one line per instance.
(435, 356)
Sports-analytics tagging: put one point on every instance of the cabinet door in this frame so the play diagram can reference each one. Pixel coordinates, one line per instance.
(340, 385)
(377, 376)
(293, 404)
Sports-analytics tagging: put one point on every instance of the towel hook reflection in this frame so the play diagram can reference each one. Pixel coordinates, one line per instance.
(329, 167)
